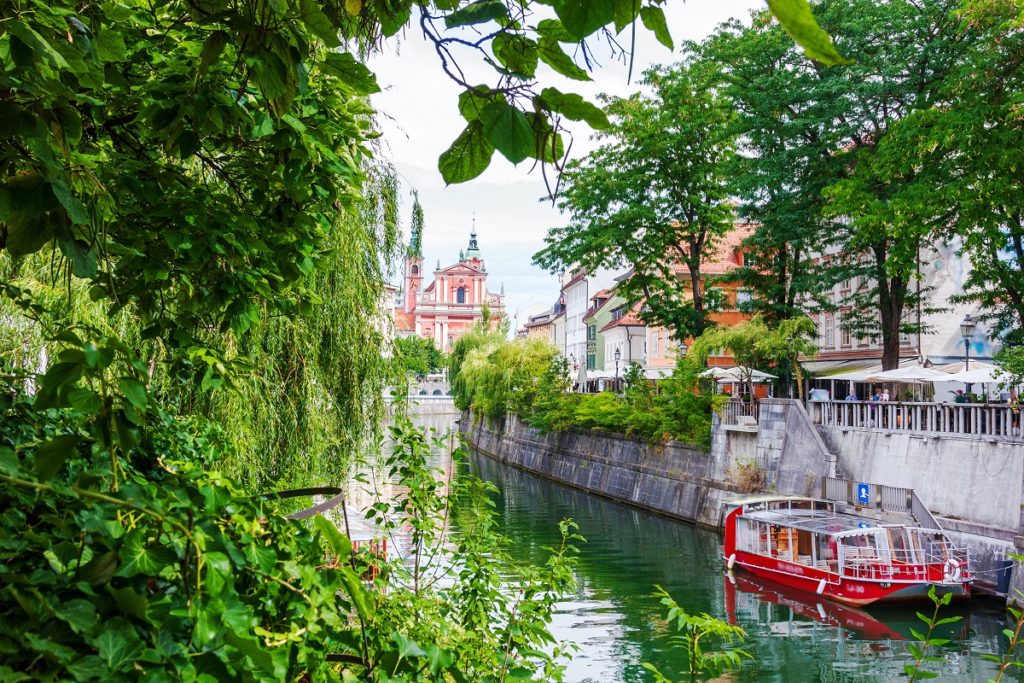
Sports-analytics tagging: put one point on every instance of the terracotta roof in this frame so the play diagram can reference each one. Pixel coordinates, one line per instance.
(722, 259)
(594, 310)
(603, 293)
(631, 317)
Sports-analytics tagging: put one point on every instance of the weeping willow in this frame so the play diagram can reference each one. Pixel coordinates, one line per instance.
(311, 397)
(314, 398)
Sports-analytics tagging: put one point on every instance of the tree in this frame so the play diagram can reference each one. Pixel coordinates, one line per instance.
(418, 355)
(786, 159)
(755, 345)
(784, 345)
(654, 196)
(825, 158)
(883, 198)
(969, 146)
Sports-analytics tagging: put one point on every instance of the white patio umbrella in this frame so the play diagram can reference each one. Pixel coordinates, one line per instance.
(910, 375)
(736, 374)
(988, 375)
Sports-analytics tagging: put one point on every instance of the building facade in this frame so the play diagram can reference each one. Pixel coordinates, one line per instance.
(943, 272)
(452, 303)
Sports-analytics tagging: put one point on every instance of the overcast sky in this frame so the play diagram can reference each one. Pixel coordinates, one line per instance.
(420, 119)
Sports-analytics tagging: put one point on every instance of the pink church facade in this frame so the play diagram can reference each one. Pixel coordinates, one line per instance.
(452, 303)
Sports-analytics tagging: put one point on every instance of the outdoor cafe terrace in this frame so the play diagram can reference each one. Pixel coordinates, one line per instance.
(995, 421)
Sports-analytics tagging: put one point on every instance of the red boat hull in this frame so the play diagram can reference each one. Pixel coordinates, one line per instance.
(842, 589)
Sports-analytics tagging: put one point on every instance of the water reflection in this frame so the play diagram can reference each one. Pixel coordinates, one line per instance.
(618, 624)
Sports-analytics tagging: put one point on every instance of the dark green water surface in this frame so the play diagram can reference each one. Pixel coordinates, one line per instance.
(618, 624)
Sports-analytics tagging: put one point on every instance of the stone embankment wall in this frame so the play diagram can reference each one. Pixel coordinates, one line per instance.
(673, 479)
(974, 487)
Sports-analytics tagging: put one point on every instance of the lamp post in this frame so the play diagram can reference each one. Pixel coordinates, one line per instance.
(618, 355)
(967, 332)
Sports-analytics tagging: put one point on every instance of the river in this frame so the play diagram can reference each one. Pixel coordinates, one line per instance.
(618, 624)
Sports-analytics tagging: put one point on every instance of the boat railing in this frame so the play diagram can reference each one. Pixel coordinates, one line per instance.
(905, 565)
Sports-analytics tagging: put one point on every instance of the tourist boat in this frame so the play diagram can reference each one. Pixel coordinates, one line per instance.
(819, 547)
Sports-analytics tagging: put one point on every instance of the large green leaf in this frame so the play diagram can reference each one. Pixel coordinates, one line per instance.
(468, 157)
(508, 130)
(478, 12)
(573, 106)
(516, 53)
(134, 391)
(50, 456)
(212, 47)
(552, 54)
(654, 20)
(75, 208)
(553, 28)
(473, 102)
(798, 20)
(26, 234)
(27, 35)
(118, 644)
(582, 17)
(81, 255)
(354, 75)
(339, 543)
(109, 46)
(137, 558)
(317, 22)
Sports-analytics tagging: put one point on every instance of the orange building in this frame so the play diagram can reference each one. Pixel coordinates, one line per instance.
(661, 350)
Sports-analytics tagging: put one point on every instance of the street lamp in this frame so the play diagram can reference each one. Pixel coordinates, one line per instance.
(967, 332)
(618, 355)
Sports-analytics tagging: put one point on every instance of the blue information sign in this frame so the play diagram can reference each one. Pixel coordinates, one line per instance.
(862, 494)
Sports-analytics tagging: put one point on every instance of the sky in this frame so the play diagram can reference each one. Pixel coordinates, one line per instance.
(419, 118)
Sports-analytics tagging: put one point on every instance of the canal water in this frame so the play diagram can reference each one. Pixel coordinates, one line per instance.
(618, 624)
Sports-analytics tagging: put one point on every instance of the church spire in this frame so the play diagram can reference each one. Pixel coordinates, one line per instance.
(474, 249)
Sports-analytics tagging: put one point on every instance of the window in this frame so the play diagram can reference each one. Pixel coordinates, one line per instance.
(460, 295)
(415, 270)
(743, 296)
(655, 344)
(591, 332)
(830, 332)
(591, 361)
(845, 336)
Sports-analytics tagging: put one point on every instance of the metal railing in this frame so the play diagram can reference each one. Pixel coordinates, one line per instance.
(880, 496)
(951, 566)
(733, 410)
(977, 420)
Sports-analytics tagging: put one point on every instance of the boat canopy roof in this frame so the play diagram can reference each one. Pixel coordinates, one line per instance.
(816, 521)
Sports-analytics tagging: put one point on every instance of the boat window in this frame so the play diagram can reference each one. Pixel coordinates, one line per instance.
(901, 546)
(863, 545)
(747, 535)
